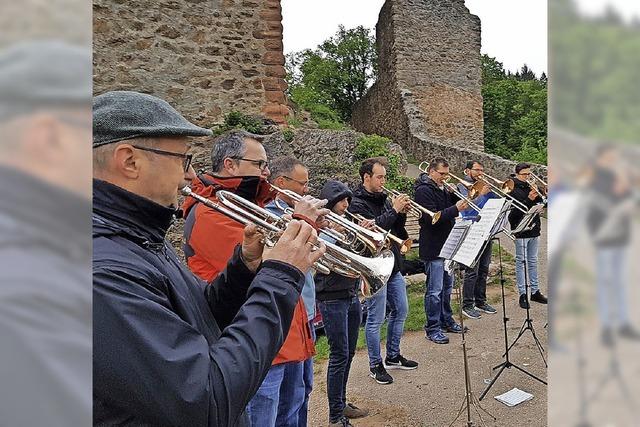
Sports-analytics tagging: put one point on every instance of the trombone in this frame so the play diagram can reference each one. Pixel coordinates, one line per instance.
(405, 245)
(453, 189)
(416, 209)
(503, 188)
(533, 182)
(375, 272)
(473, 189)
(358, 238)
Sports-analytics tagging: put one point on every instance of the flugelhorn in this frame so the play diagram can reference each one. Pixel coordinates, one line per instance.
(375, 271)
(416, 209)
(405, 245)
(360, 239)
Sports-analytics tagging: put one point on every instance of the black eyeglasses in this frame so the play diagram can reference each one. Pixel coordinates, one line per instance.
(186, 158)
(303, 183)
(262, 164)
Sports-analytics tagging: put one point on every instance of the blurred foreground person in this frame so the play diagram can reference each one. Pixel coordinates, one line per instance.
(45, 298)
(168, 348)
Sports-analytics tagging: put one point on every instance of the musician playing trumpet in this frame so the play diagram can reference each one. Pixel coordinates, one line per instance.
(526, 241)
(432, 194)
(474, 288)
(372, 202)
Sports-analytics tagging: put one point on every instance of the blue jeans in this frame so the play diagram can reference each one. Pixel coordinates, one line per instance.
(341, 319)
(437, 297)
(395, 294)
(281, 396)
(611, 291)
(530, 246)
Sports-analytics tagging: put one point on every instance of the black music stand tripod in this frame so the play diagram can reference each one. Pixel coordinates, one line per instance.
(528, 325)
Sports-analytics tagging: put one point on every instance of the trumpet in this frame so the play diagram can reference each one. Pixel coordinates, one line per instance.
(416, 209)
(358, 238)
(405, 245)
(375, 271)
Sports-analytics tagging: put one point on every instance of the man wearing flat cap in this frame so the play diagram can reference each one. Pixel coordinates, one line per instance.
(45, 208)
(170, 349)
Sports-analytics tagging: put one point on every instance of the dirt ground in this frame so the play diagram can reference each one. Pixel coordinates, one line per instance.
(432, 395)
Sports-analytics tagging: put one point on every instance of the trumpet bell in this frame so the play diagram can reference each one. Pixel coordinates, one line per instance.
(375, 272)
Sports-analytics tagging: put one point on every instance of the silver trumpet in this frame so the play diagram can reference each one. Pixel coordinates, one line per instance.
(375, 271)
(360, 239)
(416, 210)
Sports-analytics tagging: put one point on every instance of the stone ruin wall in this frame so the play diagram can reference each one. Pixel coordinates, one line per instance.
(428, 96)
(206, 57)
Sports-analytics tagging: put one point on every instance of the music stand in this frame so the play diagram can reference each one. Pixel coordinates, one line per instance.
(463, 247)
(507, 364)
(525, 224)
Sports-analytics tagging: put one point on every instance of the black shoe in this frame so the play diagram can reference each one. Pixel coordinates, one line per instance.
(538, 297)
(471, 313)
(342, 422)
(607, 337)
(524, 303)
(379, 373)
(486, 308)
(627, 331)
(455, 329)
(400, 362)
(352, 411)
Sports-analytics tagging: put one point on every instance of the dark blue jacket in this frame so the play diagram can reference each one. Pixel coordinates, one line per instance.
(334, 286)
(433, 236)
(378, 206)
(45, 303)
(170, 350)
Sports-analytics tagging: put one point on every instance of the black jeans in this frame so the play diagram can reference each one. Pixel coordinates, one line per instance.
(341, 319)
(474, 289)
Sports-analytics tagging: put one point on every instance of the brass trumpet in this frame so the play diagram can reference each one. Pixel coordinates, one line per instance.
(405, 245)
(375, 272)
(416, 209)
(359, 239)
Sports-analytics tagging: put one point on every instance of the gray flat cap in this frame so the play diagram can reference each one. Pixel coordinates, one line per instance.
(121, 115)
(44, 74)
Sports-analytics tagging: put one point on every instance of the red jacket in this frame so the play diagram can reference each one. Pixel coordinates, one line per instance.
(210, 238)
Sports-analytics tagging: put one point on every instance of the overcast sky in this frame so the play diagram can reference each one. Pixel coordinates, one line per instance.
(513, 31)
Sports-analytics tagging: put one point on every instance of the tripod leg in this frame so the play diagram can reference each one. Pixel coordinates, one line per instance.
(495, 378)
(530, 374)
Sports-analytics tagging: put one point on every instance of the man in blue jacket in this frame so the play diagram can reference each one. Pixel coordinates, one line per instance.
(474, 288)
(432, 194)
(168, 348)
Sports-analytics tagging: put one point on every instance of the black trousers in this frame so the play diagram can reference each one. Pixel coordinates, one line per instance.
(474, 288)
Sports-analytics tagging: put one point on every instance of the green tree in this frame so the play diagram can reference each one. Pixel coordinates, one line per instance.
(336, 74)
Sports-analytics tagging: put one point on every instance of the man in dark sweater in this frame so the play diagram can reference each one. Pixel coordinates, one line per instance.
(526, 241)
(370, 201)
(338, 301)
(431, 193)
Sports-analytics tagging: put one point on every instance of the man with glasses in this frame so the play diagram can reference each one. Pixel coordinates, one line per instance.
(526, 241)
(474, 288)
(283, 397)
(431, 193)
(168, 348)
(239, 165)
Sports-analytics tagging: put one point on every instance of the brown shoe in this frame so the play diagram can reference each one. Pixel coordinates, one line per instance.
(352, 411)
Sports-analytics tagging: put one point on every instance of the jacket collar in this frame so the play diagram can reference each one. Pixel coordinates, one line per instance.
(130, 211)
(50, 214)
(378, 198)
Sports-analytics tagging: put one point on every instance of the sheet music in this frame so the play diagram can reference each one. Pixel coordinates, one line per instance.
(456, 235)
(526, 221)
(479, 232)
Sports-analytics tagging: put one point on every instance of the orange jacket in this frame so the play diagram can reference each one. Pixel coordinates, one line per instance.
(210, 238)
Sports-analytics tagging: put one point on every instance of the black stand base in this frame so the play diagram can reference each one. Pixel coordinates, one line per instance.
(528, 325)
